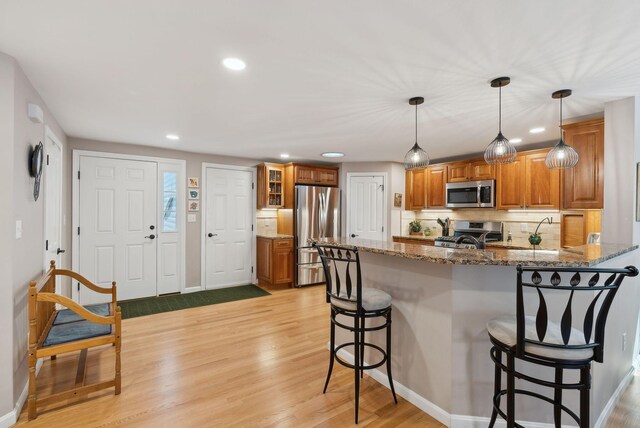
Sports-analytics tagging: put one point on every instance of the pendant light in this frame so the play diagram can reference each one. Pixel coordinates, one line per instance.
(500, 150)
(416, 157)
(562, 155)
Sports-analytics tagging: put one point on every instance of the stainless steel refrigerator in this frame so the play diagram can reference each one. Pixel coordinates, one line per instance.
(316, 215)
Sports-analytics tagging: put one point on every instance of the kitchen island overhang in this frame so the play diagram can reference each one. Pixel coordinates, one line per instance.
(442, 300)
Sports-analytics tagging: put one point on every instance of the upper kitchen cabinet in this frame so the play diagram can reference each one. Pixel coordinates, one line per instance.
(315, 175)
(271, 184)
(527, 183)
(436, 183)
(415, 189)
(425, 188)
(472, 170)
(583, 185)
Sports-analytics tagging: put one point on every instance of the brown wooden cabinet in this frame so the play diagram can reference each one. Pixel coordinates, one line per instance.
(315, 175)
(274, 258)
(575, 227)
(415, 189)
(436, 186)
(583, 185)
(470, 170)
(528, 183)
(271, 185)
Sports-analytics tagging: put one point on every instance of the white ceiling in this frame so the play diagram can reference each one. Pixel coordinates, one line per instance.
(321, 75)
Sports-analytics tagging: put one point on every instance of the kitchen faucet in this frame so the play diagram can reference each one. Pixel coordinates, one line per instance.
(480, 242)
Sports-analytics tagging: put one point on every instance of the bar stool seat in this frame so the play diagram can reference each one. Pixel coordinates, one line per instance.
(372, 300)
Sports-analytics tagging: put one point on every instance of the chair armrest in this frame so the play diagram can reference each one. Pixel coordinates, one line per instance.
(78, 309)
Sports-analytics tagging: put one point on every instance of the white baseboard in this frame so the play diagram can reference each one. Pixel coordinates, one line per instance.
(12, 417)
(617, 394)
(465, 421)
(412, 397)
(191, 289)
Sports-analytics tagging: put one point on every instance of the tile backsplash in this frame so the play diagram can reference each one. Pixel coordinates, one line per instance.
(520, 224)
(266, 222)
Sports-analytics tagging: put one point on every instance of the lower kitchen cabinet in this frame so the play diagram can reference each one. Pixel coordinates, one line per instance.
(274, 257)
(575, 227)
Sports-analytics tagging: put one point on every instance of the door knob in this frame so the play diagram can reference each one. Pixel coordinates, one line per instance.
(151, 236)
(353, 235)
(59, 251)
(152, 227)
(211, 235)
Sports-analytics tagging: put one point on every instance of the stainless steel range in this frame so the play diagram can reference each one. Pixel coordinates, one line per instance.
(472, 234)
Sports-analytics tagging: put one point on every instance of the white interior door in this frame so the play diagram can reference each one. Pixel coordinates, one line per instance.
(366, 207)
(228, 227)
(118, 220)
(53, 201)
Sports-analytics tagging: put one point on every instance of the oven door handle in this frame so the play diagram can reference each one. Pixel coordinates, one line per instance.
(478, 195)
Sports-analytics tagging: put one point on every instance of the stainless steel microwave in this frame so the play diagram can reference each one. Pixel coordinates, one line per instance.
(471, 194)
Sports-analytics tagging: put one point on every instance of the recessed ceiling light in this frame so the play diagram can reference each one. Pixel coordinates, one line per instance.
(332, 154)
(284, 155)
(234, 64)
(173, 137)
(516, 140)
(536, 130)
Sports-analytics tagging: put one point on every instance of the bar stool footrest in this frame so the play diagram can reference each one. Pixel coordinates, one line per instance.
(367, 367)
(498, 396)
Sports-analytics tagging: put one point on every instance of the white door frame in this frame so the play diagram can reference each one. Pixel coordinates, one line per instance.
(48, 133)
(385, 180)
(203, 225)
(181, 165)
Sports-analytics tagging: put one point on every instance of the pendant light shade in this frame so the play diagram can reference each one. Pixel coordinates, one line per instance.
(500, 150)
(562, 155)
(416, 157)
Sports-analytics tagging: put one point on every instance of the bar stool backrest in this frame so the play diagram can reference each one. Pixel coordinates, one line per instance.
(602, 283)
(341, 266)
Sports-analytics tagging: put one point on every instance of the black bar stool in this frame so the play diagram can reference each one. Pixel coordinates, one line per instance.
(538, 340)
(339, 263)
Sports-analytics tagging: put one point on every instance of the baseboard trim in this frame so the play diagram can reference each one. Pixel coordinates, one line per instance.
(411, 396)
(617, 394)
(465, 421)
(12, 417)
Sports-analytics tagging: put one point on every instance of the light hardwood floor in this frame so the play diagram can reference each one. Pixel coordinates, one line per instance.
(256, 363)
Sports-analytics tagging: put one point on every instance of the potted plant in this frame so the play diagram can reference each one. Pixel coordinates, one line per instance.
(415, 228)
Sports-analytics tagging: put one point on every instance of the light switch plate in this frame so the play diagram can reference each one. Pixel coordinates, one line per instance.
(524, 227)
(191, 218)
(18, 229)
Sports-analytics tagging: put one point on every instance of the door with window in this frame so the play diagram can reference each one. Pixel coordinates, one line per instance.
(118, 226)
(228, 227)
(366, 207)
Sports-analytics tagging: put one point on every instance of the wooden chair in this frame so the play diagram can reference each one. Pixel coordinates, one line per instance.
(77, 328)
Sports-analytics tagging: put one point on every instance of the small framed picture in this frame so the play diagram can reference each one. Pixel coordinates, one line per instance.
(397, 200)
(194, 182)
(194, 194)
(194, 206)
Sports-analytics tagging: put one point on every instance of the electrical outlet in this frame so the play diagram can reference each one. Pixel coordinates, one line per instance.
(624, 341)
(524, 227)
(191, 218)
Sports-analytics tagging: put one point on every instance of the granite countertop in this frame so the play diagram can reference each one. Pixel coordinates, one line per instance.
(582, 256)
(515, 245)
(275, 236)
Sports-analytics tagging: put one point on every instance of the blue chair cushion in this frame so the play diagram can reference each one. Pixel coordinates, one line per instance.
(71, 332)
(67, 315)
(70, 327)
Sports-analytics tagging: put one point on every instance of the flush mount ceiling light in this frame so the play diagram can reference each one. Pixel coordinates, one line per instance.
(562, 155)
(500, 150)
(416, 157)
(332, 154)
(173, 137)
(516, 140)
(234, 64)
(284, 155)
(536, 130)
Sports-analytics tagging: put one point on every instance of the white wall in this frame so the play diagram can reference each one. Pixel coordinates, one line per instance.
(620, 157)
(6, 235)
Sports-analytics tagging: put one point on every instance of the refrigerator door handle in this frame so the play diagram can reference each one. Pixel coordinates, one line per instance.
(322, 215)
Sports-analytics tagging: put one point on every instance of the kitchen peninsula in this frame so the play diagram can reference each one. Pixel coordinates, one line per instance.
(442, 300)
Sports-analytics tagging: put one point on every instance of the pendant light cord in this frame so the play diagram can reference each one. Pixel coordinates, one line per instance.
(500, 110)
(416, 123)
(561, 118)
